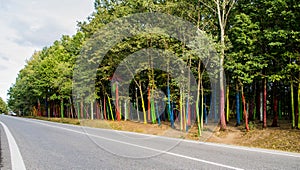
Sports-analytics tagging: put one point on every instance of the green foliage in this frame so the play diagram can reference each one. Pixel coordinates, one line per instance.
(262, 40)
(3, 106)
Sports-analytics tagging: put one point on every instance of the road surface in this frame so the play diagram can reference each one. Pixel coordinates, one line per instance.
(47, 145)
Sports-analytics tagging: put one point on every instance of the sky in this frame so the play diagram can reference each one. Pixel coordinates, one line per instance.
(29, 25)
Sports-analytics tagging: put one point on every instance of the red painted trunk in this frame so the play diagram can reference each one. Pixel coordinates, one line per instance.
(117, 104)
(97, 110)
(275, 119)
(265, 104)
(245, 112)
(104, 108)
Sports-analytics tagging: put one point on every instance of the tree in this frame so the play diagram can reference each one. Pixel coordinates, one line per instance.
(3, 106)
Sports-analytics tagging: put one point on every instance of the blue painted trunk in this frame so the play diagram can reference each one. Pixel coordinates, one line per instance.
(238, 119)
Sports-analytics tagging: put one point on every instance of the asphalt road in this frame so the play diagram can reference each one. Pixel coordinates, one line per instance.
(48, 145)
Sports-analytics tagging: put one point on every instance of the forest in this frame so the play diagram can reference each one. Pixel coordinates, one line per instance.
(257, 43)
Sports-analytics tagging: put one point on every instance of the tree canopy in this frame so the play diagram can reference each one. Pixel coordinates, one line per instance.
(258, 44)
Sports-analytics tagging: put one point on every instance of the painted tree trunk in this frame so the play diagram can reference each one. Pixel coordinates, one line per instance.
(78, 110)
(157, 114)
(293, 106)
(250, 109)
(108, 112)
(125, 111)
(92, 110)
(181, 110)
(205, 111)
(39, 108)
(199, 120)
(275, 106)
(227, 103)
(244, 110)
(238, 120)
(62, 108)
(153, 115)
(46, 107)
(120, 109)
(101, 109)
(104, 108)
(143, 104)
(169, 105)
(81, 109)
(279, 110)
(261, 107)
(265, 104)
(98, 110)
(215, 107)
(117, 103)
(149, 104)
(71, 107)
(137, 107)
(110, 108)
(187, 115)
(241, 108)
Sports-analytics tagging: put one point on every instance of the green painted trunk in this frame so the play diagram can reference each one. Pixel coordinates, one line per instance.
(62, 108)
(110, 109)
(153, 111)
(292, 103)
(279, 110)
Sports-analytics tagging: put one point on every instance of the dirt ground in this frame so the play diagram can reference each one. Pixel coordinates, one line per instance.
(279, 138)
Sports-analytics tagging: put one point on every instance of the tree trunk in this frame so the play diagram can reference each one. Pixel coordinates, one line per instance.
(143, 103)
(222, 17)
(62, 108)
(265, 104)
(110, 108)
(244, 110)
(238, 120)
(275, 107)
(227, 103)
(117, 103)
(137, 105)
(149, 104)
(81, 109)
(92, 110)
(200, 122)
(181, 110)
(104, 108)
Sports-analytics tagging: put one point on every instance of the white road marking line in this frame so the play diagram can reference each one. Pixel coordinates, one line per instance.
(17, 162)
(144, 147)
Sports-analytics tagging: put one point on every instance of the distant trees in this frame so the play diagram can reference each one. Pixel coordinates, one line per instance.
(3, 106)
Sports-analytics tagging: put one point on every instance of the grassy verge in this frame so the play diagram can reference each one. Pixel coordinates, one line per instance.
(58, 120)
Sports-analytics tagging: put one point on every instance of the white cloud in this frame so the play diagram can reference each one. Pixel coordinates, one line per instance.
(30, 25)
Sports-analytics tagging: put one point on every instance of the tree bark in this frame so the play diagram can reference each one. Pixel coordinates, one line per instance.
(265, 104)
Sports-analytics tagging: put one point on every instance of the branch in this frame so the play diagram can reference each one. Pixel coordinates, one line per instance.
(205, 4)
(227, 14)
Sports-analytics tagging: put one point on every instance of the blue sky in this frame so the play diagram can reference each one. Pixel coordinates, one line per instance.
(29, 25)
